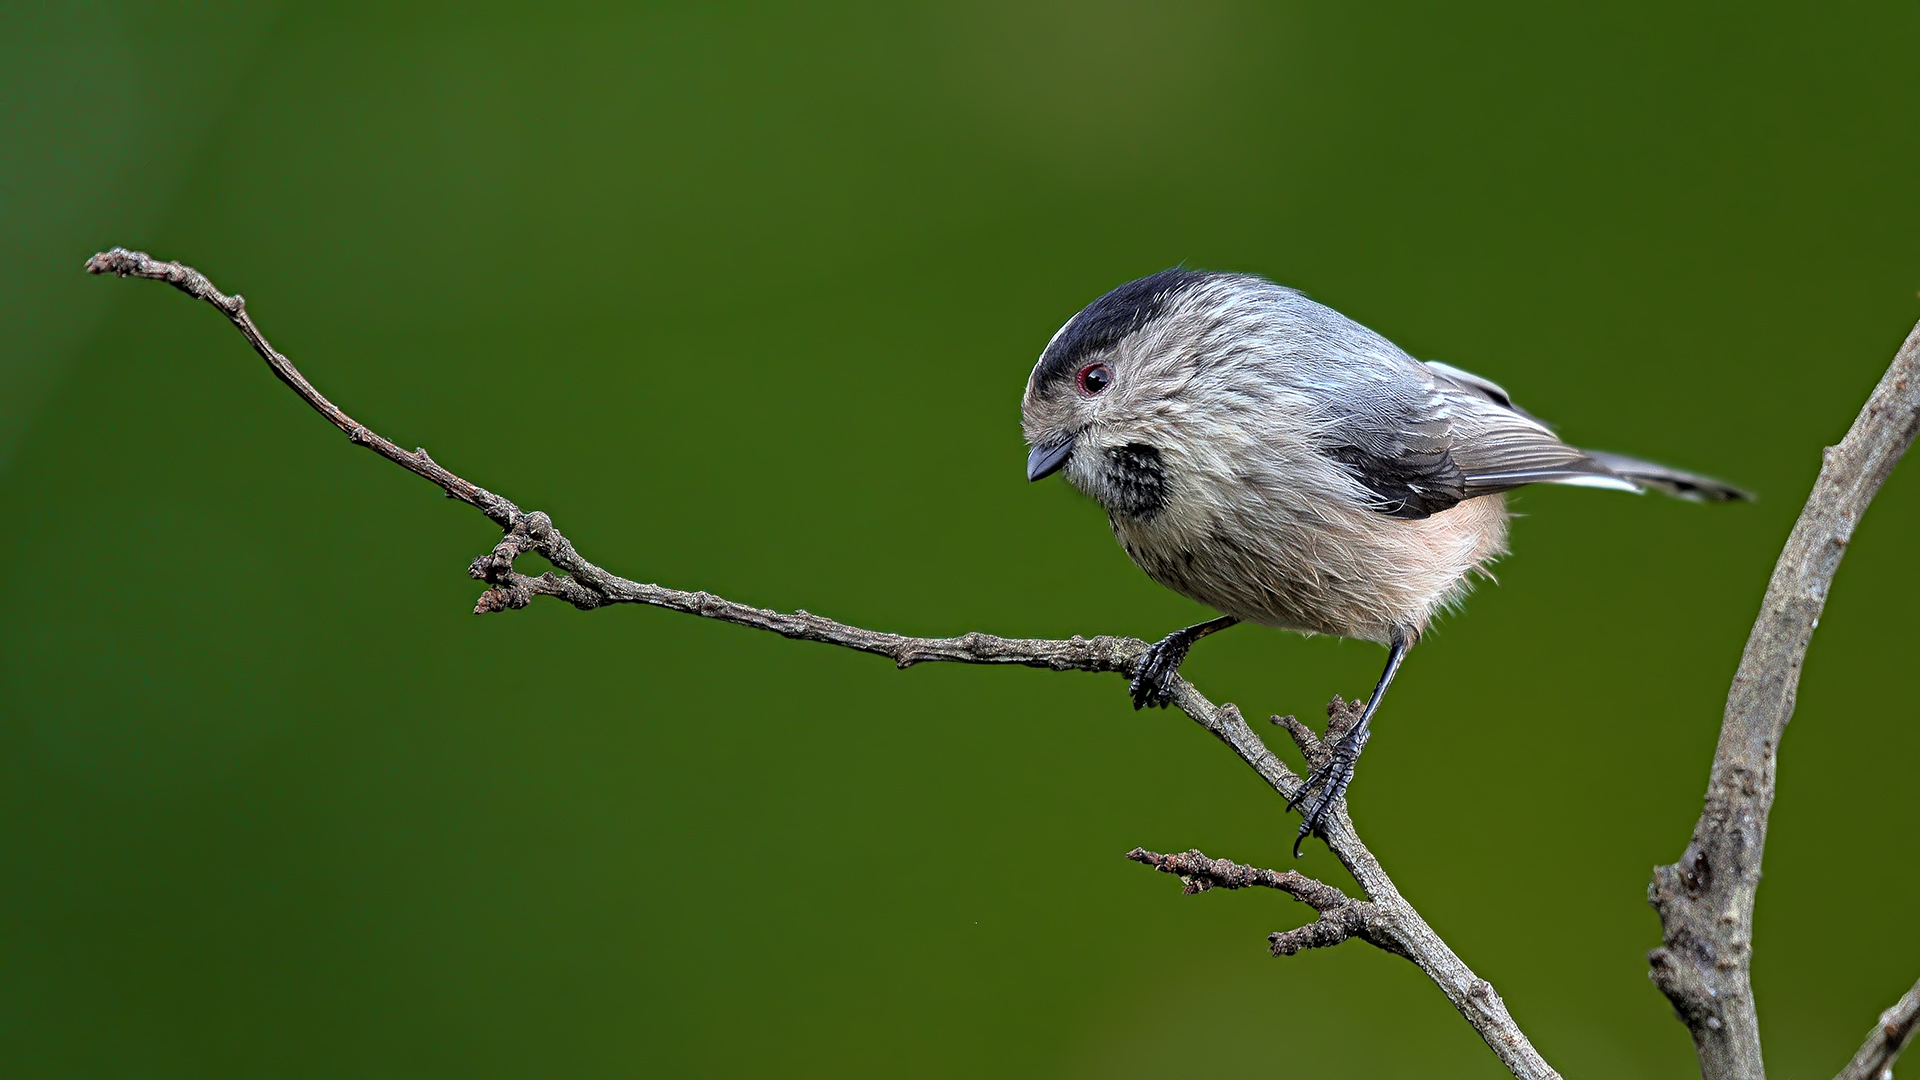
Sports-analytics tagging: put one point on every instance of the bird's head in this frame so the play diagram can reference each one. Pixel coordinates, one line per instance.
(1104, 403)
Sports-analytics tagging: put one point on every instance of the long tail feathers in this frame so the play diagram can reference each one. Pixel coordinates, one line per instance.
(1684, 485)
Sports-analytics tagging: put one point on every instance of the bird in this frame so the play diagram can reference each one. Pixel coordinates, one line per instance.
(1278, 462)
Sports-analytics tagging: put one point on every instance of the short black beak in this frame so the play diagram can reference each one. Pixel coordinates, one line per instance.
(1046, 460)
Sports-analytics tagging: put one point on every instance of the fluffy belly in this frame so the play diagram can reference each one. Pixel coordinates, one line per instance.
(1352, 573)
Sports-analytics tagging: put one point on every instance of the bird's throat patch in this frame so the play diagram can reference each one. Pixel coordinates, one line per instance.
(1136, 482)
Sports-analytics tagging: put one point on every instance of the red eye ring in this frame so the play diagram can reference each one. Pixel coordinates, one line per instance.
(1094, 379)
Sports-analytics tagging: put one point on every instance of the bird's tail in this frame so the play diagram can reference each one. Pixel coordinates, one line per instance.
(1684, 485)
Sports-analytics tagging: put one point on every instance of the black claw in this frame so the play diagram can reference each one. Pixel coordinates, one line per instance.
(1153, 683)
(1327, 783)
(1310, 822)
(1160, 665)
(1331, 777)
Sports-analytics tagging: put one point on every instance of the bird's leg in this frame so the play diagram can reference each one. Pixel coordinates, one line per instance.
(1328, 781)
(1160, 665)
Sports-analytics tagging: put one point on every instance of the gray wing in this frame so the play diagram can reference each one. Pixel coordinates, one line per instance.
(1432, 435)
(1676, 482)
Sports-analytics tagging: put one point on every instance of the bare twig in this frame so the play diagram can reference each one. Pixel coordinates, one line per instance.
(1705, 900)
(1392, 922)
(586, 585)
(1384, 918)
(1884, 1043)
(1198, 874)
(1340, 916)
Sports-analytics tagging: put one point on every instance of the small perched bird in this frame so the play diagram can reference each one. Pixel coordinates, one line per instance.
(1282, 464)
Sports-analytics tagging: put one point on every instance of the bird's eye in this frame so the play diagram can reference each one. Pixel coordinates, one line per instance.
(1095, 378)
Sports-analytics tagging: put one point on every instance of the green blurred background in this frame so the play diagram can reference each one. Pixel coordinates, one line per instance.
(746, 298)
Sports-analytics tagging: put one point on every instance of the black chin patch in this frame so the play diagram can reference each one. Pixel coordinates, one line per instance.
(1136, 481)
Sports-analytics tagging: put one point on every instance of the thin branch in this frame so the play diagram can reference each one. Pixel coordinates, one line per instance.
(1705, 900)
(1884, 1043)
(1340, 916)
(190, 281)
(1391, 922)
(587, 586)
(1198, 874)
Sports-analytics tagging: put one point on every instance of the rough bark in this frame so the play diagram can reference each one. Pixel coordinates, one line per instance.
(1706, 899)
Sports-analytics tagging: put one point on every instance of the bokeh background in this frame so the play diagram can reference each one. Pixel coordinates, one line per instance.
(746, 297)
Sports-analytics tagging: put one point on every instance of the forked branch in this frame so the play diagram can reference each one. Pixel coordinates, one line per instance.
(1340, 916)
(1384, 917)
(1705, 901)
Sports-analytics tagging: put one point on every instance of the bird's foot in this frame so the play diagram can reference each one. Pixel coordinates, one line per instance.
(1159, 669)
(1328, 781)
